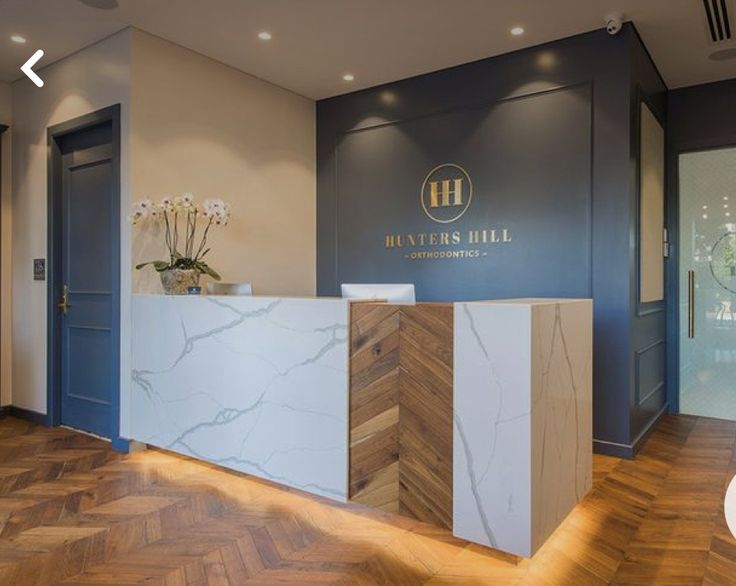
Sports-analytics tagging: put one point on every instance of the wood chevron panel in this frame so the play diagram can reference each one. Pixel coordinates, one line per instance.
(425, 416)
(157, 519)
(374, 406)
(401, 409)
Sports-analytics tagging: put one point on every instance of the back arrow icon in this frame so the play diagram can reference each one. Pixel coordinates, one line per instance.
(27, 68)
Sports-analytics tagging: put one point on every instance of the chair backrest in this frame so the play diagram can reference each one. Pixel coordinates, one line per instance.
(215, 288)
(391, 292)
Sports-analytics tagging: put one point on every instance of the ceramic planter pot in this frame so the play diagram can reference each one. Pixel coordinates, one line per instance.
(178, 281)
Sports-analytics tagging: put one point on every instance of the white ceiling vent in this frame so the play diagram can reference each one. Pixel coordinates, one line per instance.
(718, 19)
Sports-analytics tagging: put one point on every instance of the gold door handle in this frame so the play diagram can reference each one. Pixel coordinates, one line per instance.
(691, 304)
(64, 305)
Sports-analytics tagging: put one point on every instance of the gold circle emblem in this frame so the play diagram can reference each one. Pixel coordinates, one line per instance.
(446, 193)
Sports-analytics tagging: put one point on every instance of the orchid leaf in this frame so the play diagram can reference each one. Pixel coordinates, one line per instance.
(207, 270)
(159, 265)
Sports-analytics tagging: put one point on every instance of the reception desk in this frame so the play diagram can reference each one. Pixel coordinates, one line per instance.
(473, 416)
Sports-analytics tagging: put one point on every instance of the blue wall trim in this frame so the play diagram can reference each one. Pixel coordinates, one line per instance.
(646, 369)
(628, 450)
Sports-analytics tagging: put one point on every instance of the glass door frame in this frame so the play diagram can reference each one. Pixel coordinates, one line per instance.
(672, 271)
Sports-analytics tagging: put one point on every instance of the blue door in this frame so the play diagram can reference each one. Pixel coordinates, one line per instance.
(87, 309)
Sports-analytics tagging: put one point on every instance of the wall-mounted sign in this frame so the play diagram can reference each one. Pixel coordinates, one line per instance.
(39, 269)
(445, 196)
(446, 193)
(390, 208)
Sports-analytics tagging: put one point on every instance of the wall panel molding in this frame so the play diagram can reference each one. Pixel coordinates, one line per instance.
(513, 160)
(650, 371)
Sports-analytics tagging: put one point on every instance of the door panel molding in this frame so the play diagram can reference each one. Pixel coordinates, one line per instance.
(55, 135)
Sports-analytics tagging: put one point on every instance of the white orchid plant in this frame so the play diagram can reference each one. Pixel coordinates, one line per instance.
(186, 224)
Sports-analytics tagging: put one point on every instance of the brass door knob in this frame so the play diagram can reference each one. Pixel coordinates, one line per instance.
(64, 305)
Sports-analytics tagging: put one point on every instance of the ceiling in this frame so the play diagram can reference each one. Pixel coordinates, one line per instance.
(316, 42)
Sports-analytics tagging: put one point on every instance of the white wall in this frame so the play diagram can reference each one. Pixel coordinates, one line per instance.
(188, 124)
(200, 126)
(89, 80)
(5, 250)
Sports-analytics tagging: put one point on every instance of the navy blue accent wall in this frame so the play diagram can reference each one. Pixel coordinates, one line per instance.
(647, 391)
(698, 117)
(547, 249)
(702, 116)
(547, 135)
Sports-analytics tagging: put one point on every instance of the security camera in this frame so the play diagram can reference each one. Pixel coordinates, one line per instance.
(614, 23)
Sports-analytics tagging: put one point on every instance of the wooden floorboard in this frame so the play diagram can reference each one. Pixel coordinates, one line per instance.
(72, 512)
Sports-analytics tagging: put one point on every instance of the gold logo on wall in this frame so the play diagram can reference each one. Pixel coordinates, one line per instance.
(446, 193)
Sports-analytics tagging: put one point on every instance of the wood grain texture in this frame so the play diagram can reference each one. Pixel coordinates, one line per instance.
(401, 409)
(374, 406)
(425, 413)
(158, 519)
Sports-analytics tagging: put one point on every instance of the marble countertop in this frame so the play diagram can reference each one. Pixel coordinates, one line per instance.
(527, 301)
(516, 301)
(206, 296)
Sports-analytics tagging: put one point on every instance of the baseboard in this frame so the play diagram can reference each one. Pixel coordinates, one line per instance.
(34, 416)
(613, 449)
(628, 451)
(120, 444)
(644, 434)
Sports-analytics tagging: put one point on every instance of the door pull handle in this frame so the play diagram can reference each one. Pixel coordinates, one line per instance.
(691, 304)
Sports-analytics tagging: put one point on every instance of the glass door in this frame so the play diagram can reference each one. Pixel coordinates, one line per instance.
(707, 259)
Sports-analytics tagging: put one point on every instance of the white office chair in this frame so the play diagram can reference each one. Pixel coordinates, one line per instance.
(215, 288)
(402, 293)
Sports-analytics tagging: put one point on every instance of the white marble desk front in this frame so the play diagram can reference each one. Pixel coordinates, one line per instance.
(256, 384)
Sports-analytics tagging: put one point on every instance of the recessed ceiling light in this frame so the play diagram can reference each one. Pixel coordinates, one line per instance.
(18, 39)
(264, 36)
(723, 54)
(517, 31)
(348, 77)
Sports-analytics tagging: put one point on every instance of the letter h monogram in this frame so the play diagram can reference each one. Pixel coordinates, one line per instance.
(441, 197)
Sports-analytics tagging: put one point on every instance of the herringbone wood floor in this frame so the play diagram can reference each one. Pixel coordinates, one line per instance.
(72, 512)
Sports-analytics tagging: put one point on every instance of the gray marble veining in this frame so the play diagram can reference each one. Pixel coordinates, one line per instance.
(259, 385)
(523, 419)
